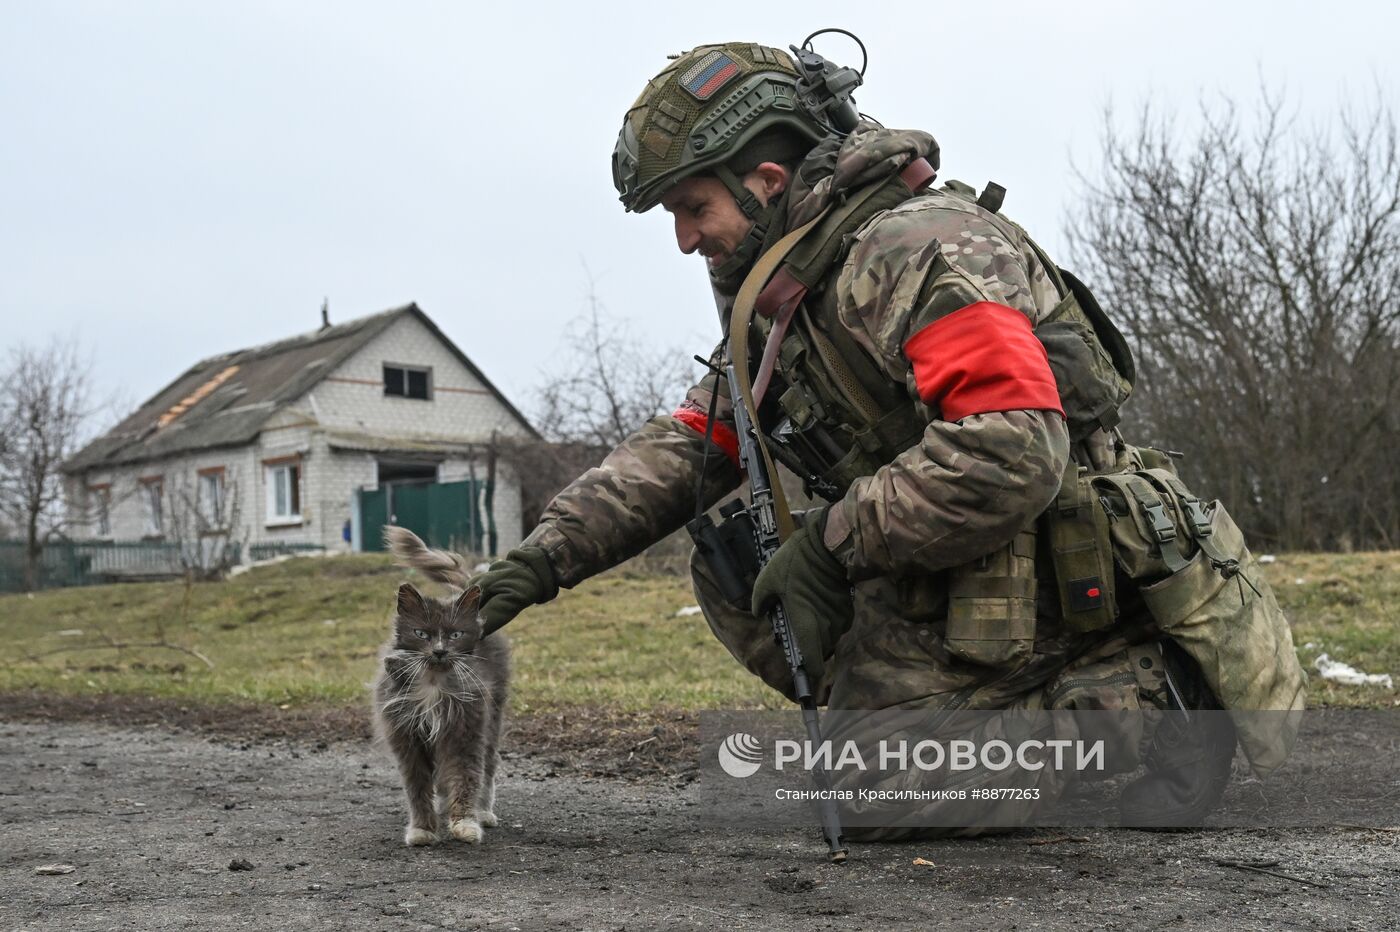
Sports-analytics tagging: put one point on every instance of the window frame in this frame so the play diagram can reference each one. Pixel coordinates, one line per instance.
(152, 506)
(218, 520)
(403, 370)
(101, 493)
(271, 468)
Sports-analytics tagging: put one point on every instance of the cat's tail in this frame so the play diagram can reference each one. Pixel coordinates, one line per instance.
(438, 565)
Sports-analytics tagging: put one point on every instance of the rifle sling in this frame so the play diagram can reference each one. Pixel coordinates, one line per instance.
(739, 319)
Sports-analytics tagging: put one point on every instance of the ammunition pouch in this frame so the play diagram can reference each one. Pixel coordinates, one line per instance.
(1077, 528)
(991, 605)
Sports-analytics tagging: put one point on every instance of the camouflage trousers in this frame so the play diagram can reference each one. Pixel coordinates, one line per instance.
(894, 657)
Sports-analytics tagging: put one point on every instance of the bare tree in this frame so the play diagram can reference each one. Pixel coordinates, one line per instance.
(1256, 269)
(44, 413)
(602, 390)
(203, 520)
(610, 384)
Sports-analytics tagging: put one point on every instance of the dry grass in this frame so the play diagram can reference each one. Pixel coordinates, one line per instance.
(1348, 607)
(307, 631)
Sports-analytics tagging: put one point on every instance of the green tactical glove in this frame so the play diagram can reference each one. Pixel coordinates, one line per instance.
(510, 586)
(814, 590)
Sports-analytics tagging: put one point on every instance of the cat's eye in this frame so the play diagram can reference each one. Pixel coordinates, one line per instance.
(420, 633)
(456, 634)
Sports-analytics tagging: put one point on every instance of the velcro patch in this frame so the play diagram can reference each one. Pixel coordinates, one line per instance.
(1085, 594)
(712, 72)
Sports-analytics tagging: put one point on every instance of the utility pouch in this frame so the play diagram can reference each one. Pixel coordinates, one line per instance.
(1154, 521)
(1222, 611)
(1205, 590)
(991, 605)
(1076, 525)
(1092, 389)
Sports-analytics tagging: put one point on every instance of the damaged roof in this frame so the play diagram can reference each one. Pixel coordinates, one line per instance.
(225, 400)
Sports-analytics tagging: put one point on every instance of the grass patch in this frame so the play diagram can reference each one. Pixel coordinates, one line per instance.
(307, 631)
(1348, 607)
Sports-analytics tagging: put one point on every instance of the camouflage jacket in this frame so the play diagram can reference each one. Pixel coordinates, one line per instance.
(969, 484)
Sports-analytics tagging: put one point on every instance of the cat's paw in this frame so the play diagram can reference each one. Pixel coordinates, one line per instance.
(468, 830)
(416, 836)
(488, 818)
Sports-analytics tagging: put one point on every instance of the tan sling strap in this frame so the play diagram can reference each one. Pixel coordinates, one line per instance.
(739, 319)
(781, 303)
(781, 294)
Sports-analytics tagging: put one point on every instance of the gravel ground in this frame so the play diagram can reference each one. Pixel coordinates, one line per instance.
(153, 821)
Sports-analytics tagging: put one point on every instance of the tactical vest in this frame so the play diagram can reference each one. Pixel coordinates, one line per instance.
(839, 417)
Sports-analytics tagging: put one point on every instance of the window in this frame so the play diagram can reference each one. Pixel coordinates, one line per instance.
(151, 491)
(407, 382)
(102, 509)
(210, 496)
(283, 492)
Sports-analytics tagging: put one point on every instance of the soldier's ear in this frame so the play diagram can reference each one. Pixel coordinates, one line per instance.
(466, 604)
(771, 179)
(411, 601)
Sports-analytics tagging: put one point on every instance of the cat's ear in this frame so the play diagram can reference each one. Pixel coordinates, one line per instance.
(411, 601)
(466, 604)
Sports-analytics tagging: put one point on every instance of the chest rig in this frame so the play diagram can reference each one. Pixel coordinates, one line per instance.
(833, 415)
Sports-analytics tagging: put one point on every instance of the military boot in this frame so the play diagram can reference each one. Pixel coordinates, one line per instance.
(1188, 763)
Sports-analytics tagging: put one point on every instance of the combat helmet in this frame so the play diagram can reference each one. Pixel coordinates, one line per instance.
(712, 102)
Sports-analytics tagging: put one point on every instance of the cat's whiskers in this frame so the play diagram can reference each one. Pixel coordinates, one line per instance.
(430, 703)
(463, 663)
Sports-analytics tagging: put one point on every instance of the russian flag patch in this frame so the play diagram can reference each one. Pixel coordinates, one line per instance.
(714, 70)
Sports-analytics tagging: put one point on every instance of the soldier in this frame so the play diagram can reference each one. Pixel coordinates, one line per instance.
(950, 393)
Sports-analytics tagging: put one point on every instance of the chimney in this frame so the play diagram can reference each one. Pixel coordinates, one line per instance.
(325, 313)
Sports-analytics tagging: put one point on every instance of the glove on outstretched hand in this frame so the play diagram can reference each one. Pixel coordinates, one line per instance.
(814, 590)
(510, 586)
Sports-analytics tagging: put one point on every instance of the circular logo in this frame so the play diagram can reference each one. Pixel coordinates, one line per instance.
(740, 755)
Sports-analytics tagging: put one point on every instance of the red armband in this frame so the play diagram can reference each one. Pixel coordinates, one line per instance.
(982, 358)
(723, 435)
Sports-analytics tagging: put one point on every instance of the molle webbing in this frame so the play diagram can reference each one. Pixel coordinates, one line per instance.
(991, 605)
(854, 382)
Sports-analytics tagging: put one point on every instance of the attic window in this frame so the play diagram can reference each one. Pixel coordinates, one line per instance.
(407, 382)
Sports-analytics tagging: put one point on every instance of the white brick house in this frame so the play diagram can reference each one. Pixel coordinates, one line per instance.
(281, 444)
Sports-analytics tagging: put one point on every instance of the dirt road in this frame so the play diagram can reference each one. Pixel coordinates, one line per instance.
(151, 821)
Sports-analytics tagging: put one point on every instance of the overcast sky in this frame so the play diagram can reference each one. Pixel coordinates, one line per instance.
(182, 179)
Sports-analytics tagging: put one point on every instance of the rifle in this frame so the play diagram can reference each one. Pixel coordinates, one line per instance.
(735, 551)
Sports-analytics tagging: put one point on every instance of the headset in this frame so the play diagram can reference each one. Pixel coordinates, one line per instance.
(824, 88)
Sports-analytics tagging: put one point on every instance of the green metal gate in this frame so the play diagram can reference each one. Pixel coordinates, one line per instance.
(445, 514)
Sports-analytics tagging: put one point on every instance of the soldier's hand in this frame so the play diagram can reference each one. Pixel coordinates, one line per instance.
(510, 586)
(814, 591)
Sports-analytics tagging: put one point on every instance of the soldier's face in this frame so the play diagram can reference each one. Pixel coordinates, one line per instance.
(708, 219)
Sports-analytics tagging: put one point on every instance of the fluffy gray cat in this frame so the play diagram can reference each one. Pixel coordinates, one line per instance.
(439, 699)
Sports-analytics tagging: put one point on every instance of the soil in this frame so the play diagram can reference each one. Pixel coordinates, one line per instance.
(177, 817)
